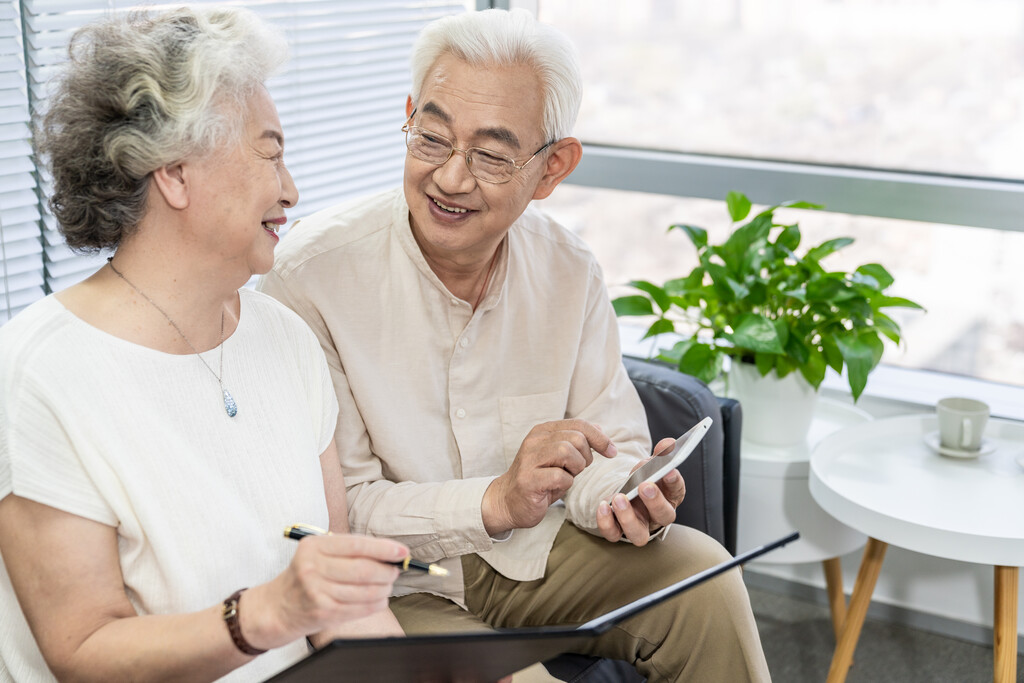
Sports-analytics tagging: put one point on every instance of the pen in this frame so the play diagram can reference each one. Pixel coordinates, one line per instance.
(298, 531)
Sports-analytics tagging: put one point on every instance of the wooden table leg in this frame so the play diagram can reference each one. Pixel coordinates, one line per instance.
(836, 598)
(1005, 628)
(867, 575)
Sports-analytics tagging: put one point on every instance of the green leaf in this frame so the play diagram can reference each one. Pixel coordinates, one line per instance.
(828, 288)
(727, 288)
(755, 332)
(860, 355)
(813, 369)
(801, 205)
(691, 282)
(867, 284)
(699, 236)
(660, 326)
(701, 364)
(887, 301)
(789, 237)
(833, 356)
(887, 326)
(783, 366)
(799, 294)
(632, 305)
(676, 352)
(659, 295)
(878, 272)
(825, 248)
(738, 204)
(797, 350)
(741, 249)
(764, 362)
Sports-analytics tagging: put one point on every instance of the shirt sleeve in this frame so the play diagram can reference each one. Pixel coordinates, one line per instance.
(38, 460)
(434, 519)
(602, 393)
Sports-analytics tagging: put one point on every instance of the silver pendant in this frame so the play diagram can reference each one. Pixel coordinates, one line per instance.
(230, 407)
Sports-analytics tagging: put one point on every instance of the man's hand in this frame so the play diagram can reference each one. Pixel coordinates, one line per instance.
(654, 508)
(551, 456)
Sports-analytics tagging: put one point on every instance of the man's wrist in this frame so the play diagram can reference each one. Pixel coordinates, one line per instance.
(492, 512)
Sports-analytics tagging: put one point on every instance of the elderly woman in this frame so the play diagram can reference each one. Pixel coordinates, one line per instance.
(160, 427)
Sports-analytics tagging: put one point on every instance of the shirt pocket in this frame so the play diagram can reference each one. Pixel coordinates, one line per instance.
(520, 414)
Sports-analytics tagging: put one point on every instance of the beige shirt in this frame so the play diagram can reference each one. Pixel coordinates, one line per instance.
(435, 399)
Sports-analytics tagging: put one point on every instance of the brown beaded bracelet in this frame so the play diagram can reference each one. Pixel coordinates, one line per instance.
(230, 614)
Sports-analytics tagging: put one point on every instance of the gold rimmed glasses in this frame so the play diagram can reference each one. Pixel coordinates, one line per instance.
(485, 165)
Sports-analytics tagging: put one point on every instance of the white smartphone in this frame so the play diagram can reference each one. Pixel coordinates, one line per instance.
(660, 465)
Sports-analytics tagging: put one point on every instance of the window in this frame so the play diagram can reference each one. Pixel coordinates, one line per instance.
(21, 252)
(341, 100)
(908, 130)
(916, 85)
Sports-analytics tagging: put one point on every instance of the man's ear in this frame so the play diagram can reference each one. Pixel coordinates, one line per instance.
(171, 182)
(561, 160)
(408, 107)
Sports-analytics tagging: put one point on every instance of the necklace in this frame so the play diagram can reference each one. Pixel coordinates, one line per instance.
(487, 279)
(230, 407)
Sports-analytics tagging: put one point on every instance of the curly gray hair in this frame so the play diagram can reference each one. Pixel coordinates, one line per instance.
(141, 91)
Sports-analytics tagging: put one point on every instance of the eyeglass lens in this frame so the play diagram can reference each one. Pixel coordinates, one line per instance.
(436, 149)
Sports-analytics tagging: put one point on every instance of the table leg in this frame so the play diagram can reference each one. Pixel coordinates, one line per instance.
(1005, 628)
(836, 598)
(863, 587)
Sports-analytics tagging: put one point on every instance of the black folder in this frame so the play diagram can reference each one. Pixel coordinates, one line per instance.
(482, 657)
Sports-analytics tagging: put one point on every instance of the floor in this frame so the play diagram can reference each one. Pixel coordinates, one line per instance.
(798, 643)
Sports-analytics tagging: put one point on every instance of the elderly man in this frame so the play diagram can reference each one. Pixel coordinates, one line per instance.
(474, 352)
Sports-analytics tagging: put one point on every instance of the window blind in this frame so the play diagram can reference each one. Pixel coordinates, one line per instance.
(341, 99)
(21, 251)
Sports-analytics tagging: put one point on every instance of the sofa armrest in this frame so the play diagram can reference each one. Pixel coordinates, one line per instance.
(674, 402)
(732, 426)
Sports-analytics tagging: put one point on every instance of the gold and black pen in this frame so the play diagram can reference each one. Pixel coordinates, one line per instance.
(298, 531)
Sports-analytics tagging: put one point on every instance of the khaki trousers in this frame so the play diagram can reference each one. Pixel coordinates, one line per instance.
(705, 635)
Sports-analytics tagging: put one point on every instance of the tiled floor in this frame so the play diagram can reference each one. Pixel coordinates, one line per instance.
(798, 643)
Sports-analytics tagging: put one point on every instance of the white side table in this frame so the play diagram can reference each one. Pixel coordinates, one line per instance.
(880, 478)
(775, 500)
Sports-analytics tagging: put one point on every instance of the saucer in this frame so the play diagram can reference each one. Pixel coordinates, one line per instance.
(932, 440)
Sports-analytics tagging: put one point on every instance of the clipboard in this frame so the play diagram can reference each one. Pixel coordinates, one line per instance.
(482, 657)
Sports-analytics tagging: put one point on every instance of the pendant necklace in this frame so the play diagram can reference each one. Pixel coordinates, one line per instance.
(230, 407)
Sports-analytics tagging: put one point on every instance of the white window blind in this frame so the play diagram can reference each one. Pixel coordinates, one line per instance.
(21, 252)
(341, 99)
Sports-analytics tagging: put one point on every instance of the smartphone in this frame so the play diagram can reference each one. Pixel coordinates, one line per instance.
(660, 465)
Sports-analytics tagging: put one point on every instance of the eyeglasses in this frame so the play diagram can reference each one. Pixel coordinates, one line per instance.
(485, 165)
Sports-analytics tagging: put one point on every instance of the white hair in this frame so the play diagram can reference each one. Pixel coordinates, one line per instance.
(507, 37)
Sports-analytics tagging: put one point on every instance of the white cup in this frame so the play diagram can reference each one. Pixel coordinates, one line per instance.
(961, 423)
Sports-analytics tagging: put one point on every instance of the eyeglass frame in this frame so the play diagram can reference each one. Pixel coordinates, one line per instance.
(406, 128)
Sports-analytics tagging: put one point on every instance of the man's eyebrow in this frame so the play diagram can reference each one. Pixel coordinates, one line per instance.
(497, 133)
(273, 135)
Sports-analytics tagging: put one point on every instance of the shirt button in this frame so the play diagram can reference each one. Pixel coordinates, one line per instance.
(455, 302)
(460, 413)
(463, 342)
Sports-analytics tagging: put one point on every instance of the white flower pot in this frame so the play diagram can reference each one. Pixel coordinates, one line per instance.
(776, 412)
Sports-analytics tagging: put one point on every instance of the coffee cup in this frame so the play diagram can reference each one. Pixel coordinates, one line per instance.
(961, 423)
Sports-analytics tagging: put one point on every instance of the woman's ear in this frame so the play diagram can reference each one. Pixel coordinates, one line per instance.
(561, 160)
(408, 107)
(172, 183)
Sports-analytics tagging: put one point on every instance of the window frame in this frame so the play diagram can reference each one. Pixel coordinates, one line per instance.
(964, 201)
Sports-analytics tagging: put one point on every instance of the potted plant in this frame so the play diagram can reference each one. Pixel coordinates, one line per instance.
(774, 312)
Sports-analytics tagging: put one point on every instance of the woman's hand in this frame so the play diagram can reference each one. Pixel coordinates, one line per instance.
(331, 580)
(66, 573)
